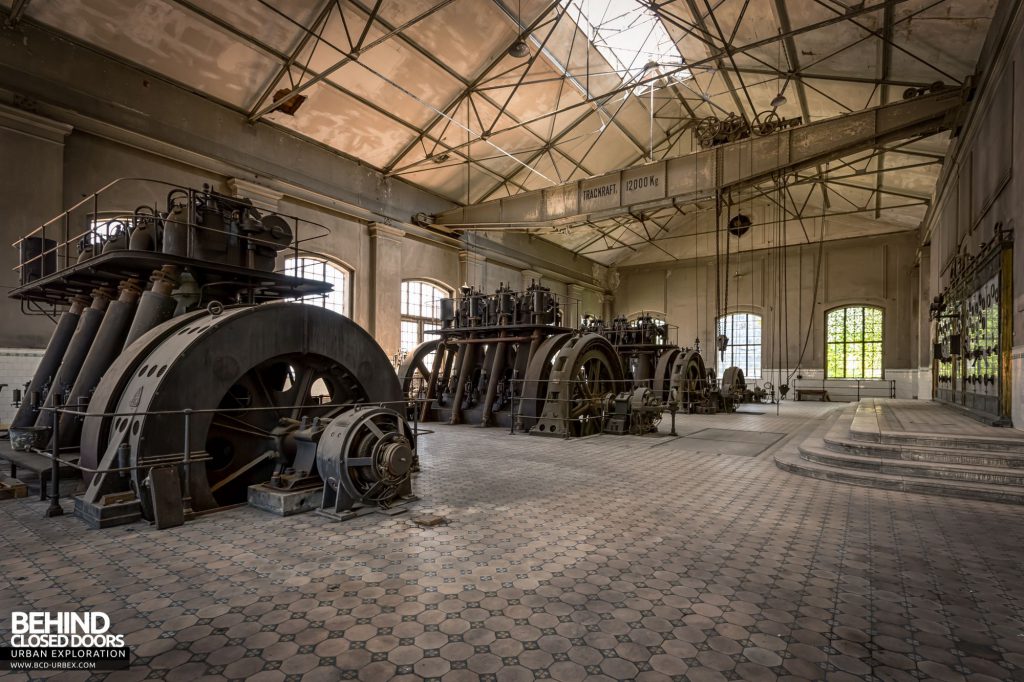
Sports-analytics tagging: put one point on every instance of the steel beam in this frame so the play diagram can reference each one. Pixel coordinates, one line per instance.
(727, 50)
(703, 175)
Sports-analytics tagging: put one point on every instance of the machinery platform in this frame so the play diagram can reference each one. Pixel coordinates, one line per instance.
(109, 269)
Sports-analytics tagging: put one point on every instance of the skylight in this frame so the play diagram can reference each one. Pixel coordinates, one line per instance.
(629, 36)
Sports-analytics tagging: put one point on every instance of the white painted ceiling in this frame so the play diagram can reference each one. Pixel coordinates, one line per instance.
(424, 90)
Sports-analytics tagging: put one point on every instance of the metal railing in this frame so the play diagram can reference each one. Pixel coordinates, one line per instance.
(850, 389)
(187, 457)
(57, 244)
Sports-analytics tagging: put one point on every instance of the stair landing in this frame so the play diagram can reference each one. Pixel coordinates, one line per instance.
(914, 446)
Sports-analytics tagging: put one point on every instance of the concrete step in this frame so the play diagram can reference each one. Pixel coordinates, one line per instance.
(815, 450)
(917, 453)
(838, 439)
(866, 426)
(793, 462)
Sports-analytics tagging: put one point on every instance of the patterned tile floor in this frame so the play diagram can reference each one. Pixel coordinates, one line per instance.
(602, 558)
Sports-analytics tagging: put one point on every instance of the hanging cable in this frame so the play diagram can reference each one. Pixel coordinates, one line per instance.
(814, 297)
(725, 300)
(718, 274)
(785, 271)
(779, 284)
(701, 323)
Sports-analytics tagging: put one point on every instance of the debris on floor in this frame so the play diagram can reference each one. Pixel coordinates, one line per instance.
(429, 521)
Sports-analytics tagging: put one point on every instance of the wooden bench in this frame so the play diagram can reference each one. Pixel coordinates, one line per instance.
(821, 393)
(38, 464)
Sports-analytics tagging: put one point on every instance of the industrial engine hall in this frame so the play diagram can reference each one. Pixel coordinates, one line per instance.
(505, 340)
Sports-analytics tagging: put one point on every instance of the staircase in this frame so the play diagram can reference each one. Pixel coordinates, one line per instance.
(871, 443)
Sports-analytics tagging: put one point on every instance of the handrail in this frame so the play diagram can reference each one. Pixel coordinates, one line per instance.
(842, 385)
(60, 252)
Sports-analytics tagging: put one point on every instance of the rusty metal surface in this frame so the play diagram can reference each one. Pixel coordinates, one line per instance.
(729, 166)
(233, 364)
(585, 372)
(108, 269)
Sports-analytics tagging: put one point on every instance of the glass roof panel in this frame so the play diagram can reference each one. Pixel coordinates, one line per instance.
(629, 36)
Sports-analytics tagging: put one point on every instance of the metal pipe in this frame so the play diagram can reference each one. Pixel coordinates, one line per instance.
(432, 383)
(461, 375)
(513, 416)
(159, 460)
(157, 305)
(229, 410)
(643, 368)
(486, 340)
(450, 357)
(104, 350)
(496, 369)
(186, 497)
(55, 508)
(535, 340)
(50, 362)
(78, 348)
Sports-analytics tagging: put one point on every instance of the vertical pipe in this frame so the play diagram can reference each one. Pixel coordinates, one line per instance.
(496, 369)
(55, 508)
(78, 348)
(461, 375)
(186, 497)
(50, 362)
(432, 380)
(535, 342)
(512, 404)
(450, 356)
(104, 350)
(156, 305)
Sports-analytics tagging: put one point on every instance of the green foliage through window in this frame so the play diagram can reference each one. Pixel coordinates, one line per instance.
(853, 342)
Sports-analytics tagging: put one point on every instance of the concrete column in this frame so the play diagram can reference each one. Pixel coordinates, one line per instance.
(31, 192)
(263, 198)
(529, 277)
(385, 278)
(471, 269)
(608, 305)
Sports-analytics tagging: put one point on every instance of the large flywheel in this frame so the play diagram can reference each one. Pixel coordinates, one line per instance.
(733, 388)
(535, 384)
(663, 372)
(689, 383)
(96, 430)
(245, 373)
(417, 368)
(585, 376)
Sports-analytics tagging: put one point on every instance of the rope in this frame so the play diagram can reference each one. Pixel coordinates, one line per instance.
(814, 298)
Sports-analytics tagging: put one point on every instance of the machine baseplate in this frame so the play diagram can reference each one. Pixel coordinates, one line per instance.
(114, 510)
(285, 502)
(394, 509)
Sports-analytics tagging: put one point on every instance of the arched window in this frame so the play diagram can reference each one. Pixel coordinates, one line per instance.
(321, 269)
(744, 348)
(853, 342)
(421, 311)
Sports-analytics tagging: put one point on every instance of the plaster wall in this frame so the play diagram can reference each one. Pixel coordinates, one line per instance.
(31, 181)
(792, 297)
